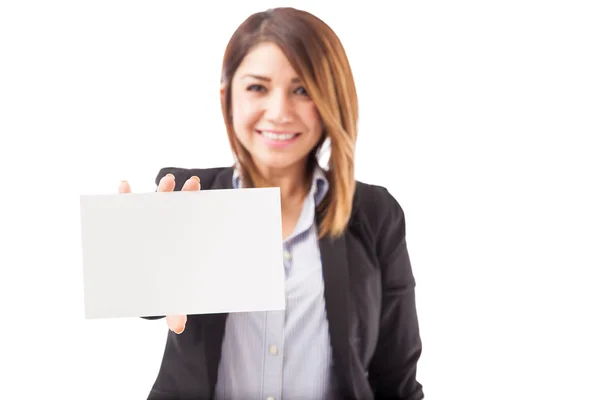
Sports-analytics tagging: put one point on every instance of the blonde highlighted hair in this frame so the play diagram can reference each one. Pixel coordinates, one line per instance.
(317, 55)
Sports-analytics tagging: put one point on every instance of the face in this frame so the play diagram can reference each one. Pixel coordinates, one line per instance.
(274, 117)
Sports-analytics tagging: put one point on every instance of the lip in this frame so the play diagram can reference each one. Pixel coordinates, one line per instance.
(277, 131)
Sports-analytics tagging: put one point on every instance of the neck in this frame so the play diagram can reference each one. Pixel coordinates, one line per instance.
(293, 182)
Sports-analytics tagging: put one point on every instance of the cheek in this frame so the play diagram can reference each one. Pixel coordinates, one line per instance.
(245, 116)
(240, 118)
(313, 120)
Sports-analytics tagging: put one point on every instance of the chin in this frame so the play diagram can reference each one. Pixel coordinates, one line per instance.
(274, 165)
(276, 162)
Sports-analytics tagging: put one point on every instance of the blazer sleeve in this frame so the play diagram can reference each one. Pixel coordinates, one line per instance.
(393, 369)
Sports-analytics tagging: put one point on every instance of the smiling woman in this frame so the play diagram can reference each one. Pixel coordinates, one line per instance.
(286, 87)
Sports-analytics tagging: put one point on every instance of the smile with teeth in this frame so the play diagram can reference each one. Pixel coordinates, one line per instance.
(278, 136)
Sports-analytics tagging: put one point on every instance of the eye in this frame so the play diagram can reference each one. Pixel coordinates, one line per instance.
(301, 91)
(256, 88)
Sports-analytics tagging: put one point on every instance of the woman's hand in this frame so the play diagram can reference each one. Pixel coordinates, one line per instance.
(176, 323)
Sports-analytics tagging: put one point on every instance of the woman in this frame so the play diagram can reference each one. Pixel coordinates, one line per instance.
(350, 328)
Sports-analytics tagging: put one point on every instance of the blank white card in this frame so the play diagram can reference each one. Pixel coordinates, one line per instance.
(200, 252)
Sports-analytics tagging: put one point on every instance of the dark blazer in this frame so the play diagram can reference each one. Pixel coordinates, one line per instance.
(369, 300)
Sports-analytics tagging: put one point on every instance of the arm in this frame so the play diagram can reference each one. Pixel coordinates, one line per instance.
(393, 369)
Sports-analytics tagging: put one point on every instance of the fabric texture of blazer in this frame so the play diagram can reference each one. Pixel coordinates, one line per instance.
(369, 300)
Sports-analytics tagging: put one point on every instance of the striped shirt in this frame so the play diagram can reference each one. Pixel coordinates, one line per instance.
(284, 355)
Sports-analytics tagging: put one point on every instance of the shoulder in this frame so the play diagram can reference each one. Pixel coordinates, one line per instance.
(377, 215)
(375, 204)
(378, 221)
(210, 178)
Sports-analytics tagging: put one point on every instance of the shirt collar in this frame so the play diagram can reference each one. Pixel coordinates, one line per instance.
(319, 187)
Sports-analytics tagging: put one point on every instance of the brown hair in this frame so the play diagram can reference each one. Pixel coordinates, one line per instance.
(317, 55)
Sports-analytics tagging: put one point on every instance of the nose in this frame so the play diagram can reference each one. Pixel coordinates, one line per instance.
(279, 109)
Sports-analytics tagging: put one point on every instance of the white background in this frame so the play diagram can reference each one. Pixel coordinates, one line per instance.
(481, 117)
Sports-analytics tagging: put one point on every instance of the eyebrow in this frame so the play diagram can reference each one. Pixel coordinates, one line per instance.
(267, 79)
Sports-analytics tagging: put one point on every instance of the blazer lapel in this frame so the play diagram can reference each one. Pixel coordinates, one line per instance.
(337, 302)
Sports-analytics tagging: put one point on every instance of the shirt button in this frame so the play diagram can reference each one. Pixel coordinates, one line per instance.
(287, 255)
(273, 350)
